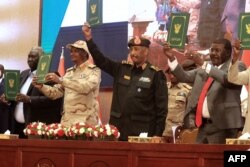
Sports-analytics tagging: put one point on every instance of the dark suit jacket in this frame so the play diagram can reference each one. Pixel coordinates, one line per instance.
(223, 97)
(4, 112)
(41, 108)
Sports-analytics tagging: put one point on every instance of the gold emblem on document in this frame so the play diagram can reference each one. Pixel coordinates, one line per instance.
(93, 8)
(177, 28)
(248, 28)
(11, 83)
(43, 66)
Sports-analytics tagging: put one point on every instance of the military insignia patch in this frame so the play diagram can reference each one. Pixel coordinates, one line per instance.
(137, 40)
(126, 77)
(144, 79)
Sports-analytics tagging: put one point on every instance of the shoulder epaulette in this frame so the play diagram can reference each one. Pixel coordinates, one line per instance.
(127, 62)
(155, 68)
(91, 65)
(69, 69)
(187, 86)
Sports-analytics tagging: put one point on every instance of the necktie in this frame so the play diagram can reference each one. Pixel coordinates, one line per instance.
(203, 94)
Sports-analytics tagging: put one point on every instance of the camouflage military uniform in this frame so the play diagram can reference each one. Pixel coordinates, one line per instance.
(80, 88)
(177, 97)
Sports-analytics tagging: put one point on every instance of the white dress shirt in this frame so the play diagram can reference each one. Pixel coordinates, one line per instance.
(19, 114)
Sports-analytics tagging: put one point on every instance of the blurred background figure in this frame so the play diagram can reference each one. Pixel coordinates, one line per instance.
(178, 94)
(4, 106)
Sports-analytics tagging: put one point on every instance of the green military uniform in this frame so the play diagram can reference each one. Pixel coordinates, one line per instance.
(177, 98)
(80, 88)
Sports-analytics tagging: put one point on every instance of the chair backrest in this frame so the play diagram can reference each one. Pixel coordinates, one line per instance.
(187, 136)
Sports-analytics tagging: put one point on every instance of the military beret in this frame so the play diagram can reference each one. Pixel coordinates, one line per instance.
(139, 41)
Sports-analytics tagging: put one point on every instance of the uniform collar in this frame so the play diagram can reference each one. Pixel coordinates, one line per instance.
(143, 67)
(170, 85)
(81, 66)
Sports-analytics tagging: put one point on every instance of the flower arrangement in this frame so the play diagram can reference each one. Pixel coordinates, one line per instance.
(55, 131)
(35, 129)
(106, 132)
(80, 131)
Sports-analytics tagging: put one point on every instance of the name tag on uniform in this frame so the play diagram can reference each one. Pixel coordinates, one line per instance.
(126, 77)
(144, 79)
(83, 76)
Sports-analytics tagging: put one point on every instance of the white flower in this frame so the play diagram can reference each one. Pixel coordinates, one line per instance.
(109, 133)
(96, 133)
(101, 130)
(39, 132)
(82, 130)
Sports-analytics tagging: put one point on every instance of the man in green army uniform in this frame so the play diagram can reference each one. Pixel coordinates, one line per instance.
(177, 98)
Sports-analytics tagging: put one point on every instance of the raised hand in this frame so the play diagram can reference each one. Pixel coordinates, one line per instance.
(236, 50)
(86, 29)
(52, 77)
(35, 83)
(168, 52)
(197, 58)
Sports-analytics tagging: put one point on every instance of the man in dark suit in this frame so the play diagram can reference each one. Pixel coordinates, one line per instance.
(220, 112)
(31, 105)
(4, 106)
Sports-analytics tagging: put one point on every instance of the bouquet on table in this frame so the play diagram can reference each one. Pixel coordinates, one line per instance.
(106, 132)
(55, 131)
(80, 131)
(35, 130)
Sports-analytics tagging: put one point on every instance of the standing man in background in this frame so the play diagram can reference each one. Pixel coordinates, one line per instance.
(139, 89)
(4, 106)
(178, 94)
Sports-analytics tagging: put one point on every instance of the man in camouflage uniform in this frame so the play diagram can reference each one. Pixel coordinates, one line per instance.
(79, 86)
(177, 98)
